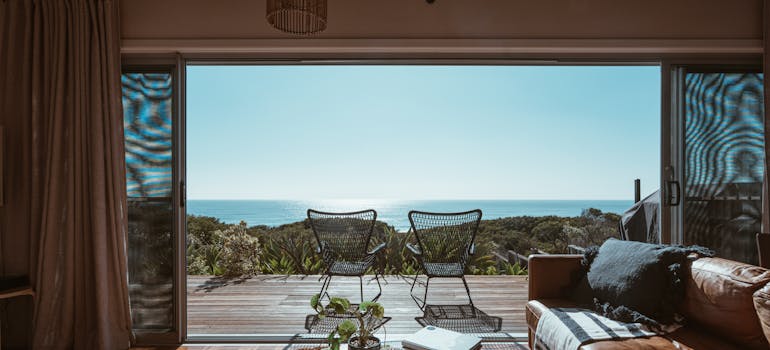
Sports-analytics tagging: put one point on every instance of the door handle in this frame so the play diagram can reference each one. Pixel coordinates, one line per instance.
(673, 193)
(182, 194)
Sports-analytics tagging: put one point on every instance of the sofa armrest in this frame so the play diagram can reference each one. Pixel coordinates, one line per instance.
(762, 306)
(549, 275)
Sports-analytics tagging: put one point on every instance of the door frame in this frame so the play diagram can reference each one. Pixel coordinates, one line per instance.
(671, 225)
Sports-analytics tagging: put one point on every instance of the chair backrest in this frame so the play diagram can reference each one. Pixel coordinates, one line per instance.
(445, 237)
(342, 236)
(763, 247)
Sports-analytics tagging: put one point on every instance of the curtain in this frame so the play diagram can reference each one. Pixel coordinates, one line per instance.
(15, 110)
(65, 202)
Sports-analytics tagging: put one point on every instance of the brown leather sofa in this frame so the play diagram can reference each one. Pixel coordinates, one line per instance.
(727, 304)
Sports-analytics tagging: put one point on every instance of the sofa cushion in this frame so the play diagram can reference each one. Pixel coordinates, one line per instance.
(635, 281)
(683, 339)
(719, 297)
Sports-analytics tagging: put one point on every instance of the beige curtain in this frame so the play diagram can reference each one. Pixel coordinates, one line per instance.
(65, 204)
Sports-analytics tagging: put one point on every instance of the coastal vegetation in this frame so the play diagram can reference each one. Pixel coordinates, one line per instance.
(222, 249)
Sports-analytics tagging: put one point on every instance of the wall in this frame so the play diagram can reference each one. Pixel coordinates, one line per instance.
(490, 27)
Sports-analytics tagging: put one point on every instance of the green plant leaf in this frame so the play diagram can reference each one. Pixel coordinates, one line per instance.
(346, 329)
(365, 305)
(340, 305)
(314, 301)
(377, 310)
(374, 308)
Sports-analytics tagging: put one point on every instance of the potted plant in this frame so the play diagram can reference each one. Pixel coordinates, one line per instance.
(359, 336)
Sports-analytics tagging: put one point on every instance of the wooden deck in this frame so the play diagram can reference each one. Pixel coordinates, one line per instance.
(278, 304)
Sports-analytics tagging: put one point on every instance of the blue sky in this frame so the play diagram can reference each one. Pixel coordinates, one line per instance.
(422, 132)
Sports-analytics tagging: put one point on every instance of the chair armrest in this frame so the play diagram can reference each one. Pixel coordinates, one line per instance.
(377, 249)
(549, 275)
(416, 251)
(472, 249)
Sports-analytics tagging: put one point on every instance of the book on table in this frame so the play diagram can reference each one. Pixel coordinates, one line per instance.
(435, 338)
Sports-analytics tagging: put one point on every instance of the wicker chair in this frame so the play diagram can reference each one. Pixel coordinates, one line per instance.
(343, 239)
(444, 245)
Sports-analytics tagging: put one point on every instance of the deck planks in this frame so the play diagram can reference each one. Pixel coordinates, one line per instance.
(278, 304)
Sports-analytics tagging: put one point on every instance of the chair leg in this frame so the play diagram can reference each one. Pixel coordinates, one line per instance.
(361, 285)
(325, 287)
(379, 286)
(468, 291)
(384, 280)
(381, 274)
(416, 299)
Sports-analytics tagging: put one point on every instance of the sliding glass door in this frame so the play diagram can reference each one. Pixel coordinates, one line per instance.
(149, 96)
(721, 155)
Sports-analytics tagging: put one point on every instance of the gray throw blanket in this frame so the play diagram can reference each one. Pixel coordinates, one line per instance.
(569, 328)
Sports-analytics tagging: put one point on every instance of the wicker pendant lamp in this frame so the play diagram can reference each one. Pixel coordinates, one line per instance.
(297, 16)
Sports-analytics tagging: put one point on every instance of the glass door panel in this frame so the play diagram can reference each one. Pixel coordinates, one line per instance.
(147, 112)
(723, 161)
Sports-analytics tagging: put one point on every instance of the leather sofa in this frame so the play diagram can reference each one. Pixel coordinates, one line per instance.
(726, 306)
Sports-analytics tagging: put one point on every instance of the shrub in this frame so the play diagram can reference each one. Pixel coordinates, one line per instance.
(240, 252)
(218, 248)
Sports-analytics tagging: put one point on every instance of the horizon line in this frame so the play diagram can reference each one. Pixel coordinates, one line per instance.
(407, 199)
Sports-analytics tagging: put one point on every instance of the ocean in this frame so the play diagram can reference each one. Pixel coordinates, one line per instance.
(393, 212)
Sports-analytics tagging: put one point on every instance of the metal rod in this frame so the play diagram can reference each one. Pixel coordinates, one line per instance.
(361, 284)
(637, 190)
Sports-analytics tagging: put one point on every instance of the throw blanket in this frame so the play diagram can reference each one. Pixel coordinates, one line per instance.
(569, 328)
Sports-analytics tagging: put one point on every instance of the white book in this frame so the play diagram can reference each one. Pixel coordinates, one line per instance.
(435, 338)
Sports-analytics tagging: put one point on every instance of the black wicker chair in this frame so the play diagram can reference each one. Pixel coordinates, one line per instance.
(444, 246)
(343, 240)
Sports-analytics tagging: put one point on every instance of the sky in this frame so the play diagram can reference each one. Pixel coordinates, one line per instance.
(422, 132)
